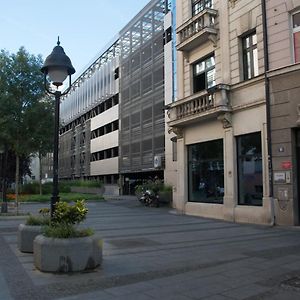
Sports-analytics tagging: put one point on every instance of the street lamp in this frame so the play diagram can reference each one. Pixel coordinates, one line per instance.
(57, 67)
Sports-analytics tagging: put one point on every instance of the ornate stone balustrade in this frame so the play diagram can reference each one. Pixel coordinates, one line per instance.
(197, 30)
(199, 106)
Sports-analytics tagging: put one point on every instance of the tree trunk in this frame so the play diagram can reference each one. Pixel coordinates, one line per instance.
(17, 181)
(40, 176)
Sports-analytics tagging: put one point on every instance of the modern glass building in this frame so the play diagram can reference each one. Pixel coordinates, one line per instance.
(113, 120)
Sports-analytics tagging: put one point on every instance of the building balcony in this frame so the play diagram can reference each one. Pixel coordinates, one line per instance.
(210, 104)
(197, 30)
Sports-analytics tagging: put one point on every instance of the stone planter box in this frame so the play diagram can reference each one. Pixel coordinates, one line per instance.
(67, 255)
(26, 236)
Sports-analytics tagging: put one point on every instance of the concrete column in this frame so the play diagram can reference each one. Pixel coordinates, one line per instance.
(268, 202)
(230, 174)
(181, 194)
(224, 41)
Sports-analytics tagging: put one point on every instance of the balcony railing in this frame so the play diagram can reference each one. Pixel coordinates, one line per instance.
(198, 30)
(200, 106)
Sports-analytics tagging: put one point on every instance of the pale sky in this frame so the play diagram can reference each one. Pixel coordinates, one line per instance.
(84, 26)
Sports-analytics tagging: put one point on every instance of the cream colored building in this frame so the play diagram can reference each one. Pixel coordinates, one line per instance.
(283, 19)
(219, 116)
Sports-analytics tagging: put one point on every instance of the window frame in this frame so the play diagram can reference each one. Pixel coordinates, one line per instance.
(249, 49)
(216, 199)
(195, 11)
(293, 31)
(205, 71)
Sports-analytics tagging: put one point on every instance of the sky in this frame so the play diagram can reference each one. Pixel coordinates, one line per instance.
(85, 27)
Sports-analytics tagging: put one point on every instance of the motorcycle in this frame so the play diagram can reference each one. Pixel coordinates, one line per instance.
(150, 198)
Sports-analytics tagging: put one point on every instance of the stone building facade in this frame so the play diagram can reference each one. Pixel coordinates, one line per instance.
(219, 118)
(283, 35)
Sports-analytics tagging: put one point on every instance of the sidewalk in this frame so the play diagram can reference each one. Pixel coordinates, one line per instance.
(150, 253)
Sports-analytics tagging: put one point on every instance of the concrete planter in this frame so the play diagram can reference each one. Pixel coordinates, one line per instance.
(67, 255)
(26, 236)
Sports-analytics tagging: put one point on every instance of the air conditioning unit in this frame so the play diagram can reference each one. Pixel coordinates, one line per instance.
(157, 161)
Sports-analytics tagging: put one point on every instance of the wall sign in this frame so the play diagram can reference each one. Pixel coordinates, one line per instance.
(286, 165)
(279, 177)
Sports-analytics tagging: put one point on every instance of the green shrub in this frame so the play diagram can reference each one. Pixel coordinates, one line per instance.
(47, 188)
(69, 214)
(42, 219)
(37, 220)
(156, 186)
(63, 187)
(64, 219)
(85, 183)
(166, 188)
(65, 231)
(30, 188)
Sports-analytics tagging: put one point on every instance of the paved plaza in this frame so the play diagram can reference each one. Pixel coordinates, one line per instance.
(154, 253)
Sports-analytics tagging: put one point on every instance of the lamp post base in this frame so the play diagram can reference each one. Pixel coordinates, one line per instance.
(54, 200)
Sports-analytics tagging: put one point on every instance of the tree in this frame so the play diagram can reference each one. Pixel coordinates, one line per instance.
(21, 94)
(43, 133)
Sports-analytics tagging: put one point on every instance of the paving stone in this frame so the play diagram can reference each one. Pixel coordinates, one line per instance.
(246, 291)
(130, 289)
(152, 254)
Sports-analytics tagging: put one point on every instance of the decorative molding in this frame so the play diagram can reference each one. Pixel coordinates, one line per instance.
(232, 2)
(176, 130)
(298, 111)
(213, 39)
(226, 120)
(186, 57)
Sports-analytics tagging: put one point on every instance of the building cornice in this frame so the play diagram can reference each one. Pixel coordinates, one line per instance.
(284, 70)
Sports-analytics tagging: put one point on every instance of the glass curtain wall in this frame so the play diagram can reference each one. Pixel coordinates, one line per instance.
(142, 90)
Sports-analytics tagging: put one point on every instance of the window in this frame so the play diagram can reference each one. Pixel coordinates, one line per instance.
(174, 148)
(168, 35)
(250, 59)
(116, 73)
(250, 185)
(296, 35)
(204, 74)
(206, 172)
(200, 5)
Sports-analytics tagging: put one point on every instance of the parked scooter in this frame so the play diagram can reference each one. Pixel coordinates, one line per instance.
(150, 198)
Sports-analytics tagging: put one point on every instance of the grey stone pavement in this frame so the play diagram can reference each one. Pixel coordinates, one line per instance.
(154, 253)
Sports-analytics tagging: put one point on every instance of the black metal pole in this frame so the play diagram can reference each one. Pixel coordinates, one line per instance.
(4, 184)
(55, 192)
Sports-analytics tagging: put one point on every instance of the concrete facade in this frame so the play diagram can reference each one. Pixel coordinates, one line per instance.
(284, 78)
(228, 110)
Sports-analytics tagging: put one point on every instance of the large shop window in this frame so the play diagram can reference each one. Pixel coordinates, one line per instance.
(250, 58)
(206, 172)
(296, 35)
(200, 5)
(250, 181)
(204, 74)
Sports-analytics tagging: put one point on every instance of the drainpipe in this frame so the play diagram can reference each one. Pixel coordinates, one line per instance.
(268, 109)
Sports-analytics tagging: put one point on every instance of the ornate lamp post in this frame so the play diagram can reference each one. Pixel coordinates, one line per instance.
(57, 67)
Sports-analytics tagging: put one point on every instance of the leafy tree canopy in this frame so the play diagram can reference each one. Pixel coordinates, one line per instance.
(26, 113)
